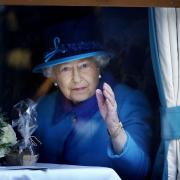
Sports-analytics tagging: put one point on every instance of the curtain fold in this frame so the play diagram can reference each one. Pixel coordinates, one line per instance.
(164, 26)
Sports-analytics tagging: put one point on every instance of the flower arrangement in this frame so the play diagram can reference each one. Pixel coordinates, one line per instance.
(25, 150)
(7, 137)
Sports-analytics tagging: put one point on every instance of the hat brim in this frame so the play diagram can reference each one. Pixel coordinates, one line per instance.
(39, 68)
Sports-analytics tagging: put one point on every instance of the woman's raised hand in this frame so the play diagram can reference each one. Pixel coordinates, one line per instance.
(108, 109)
(108, 106)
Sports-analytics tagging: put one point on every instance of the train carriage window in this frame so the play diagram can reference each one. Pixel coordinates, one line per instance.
(124, 31)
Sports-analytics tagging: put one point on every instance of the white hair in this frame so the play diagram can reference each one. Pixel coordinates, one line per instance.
(101, 62)
(48, 72)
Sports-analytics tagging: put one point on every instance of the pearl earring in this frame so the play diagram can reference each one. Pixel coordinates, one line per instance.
(55, 84)
(99, 76)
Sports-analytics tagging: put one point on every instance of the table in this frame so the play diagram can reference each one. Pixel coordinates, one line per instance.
(57, 172)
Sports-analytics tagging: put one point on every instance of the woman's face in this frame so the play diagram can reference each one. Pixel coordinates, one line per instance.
(77, 80)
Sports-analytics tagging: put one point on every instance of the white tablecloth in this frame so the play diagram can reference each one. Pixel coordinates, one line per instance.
(57, 172)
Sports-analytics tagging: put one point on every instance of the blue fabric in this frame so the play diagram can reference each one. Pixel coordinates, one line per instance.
(170, 119)
(78, 135)
(160, 165)
(169, 130)
(155, 55)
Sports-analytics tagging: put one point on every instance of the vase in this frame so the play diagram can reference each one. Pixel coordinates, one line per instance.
(27, 157)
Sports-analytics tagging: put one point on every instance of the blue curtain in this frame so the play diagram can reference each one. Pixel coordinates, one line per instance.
(165, 63)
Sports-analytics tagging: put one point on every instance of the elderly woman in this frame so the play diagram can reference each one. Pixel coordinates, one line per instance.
(89, 121)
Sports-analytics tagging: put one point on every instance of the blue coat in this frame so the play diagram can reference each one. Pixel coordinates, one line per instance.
(78, 135)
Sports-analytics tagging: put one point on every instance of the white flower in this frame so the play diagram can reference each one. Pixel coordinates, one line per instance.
(3, 151)
(9, 136)
(7, 139)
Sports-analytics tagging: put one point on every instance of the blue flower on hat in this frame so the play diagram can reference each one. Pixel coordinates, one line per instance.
(57, 49)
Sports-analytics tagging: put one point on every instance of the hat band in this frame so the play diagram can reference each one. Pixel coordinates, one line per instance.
(71, 48)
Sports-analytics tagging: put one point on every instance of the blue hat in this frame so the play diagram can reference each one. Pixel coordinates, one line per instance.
(72, 40)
